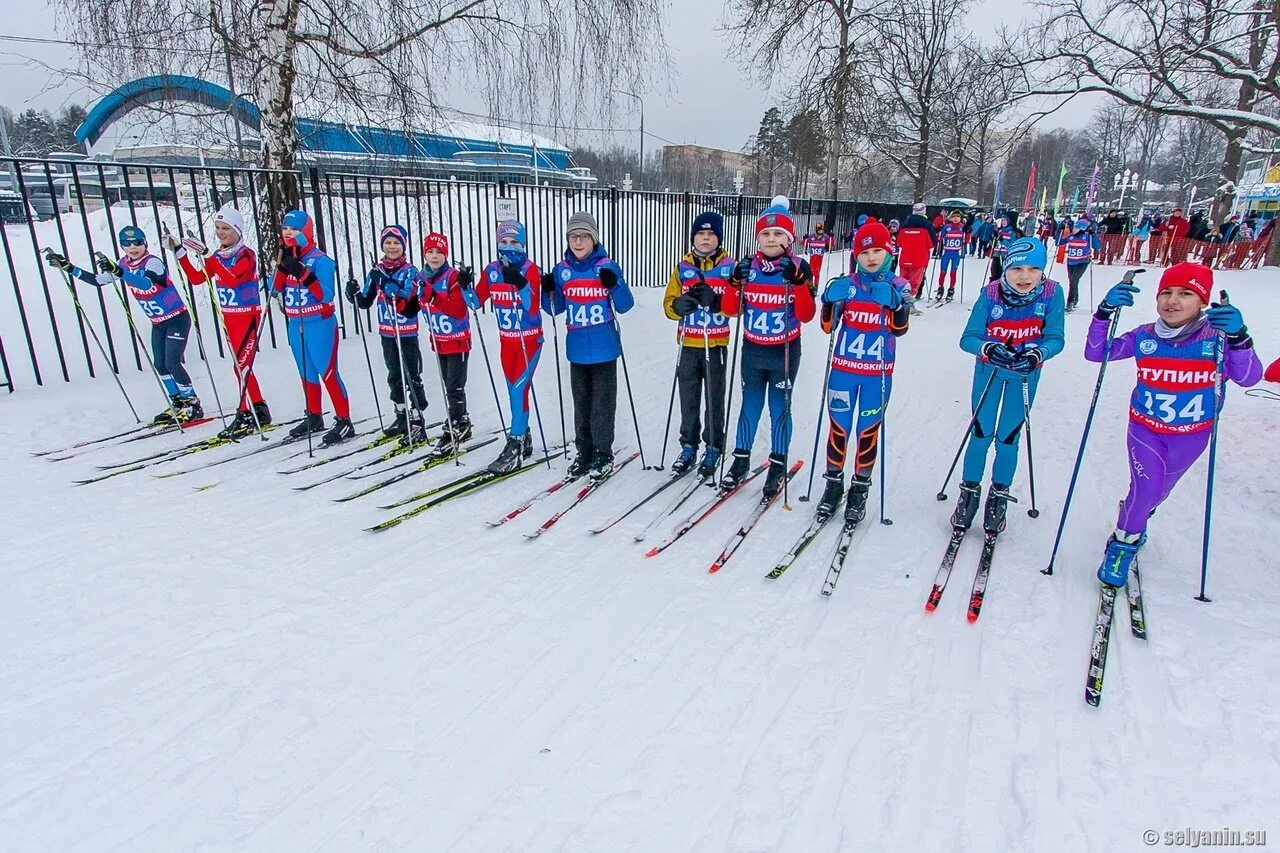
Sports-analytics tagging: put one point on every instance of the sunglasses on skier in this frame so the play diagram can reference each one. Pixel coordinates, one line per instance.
(127, 242)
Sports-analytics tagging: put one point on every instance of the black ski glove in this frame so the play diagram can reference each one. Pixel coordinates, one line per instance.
(512, 275)
(56, 260)
(466, 278)
(548, 285)
(685, 304)
(292, 265)
(608, 278)
(352, 290)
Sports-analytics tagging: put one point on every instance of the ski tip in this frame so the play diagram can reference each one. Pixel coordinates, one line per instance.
(715, 567)
(930, 606)
(652, 552)
(971, 616)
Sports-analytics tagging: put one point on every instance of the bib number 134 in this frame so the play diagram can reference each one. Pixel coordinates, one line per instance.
(1161, 406)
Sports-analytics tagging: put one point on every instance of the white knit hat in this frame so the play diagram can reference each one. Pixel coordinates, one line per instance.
(229, 215)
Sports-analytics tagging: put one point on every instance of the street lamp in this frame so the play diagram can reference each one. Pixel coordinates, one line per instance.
(640, 174)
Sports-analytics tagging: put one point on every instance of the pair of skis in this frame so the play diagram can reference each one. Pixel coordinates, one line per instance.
(978, 593)
(749, 524)
(140, 432)
(1101, 637)
(843, 543)
(700, 514)
(437, 456)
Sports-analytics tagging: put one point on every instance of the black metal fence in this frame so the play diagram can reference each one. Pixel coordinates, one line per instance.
(76, 209)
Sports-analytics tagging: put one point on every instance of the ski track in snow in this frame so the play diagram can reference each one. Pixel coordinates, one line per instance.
(245, 669)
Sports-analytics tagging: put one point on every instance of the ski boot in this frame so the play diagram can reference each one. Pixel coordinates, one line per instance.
(937, 297)
(239, 427)
(710, 459)
(417, 431)
(580, 465)
(855, 508)
(526, 444)
(951, 294)
(993, 514)
(683, 462)
(967, 505)
(776, 475)
(832, 494)
(399, 426)
(187, 409)
(263, 413)
(341, 430)
(1122, 550)
(509, 459)
(309, 423)
(601, 464)
(737, 472)
(166, 418)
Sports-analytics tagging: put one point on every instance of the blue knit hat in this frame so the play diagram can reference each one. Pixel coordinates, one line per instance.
(132, 235)
(708, 221)
(1026, 252)
(399, 232)
(1082, 225)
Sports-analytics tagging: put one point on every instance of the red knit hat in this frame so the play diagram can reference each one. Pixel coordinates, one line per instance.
(436, 240)
(872, 235)
(1195, 277)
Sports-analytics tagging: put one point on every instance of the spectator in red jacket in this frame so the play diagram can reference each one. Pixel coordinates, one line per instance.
(1177, 229)
(915, 245)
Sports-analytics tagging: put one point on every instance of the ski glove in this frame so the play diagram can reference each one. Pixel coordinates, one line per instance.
(608, 278)
(467, 279)
(408, 307)
(1226, 318)
(685, 304)
(1119, 295)
(742, 270)
(193, 245)
(108, 266)
(706, 296)
(1028, 360)
(57, 261)
(838, 290)
(548, 285)
(884, 293)
(472, 298)
(292, 265)
(512, 275)
(998, 354)
(352, 290)
(172, 242)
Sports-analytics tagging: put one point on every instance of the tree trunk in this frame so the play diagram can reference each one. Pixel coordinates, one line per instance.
(839, 113)
(279, 135)
(1225, 195)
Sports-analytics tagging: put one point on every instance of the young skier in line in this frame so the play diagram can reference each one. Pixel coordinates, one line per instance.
(147, 278)
(773, 291)
(1003, 236)
(306, 283)
(511, 285)
(391, 285)
(873, 312)
(1015, 326)
(1175, 400)
(1079, 252)
(233, 270)
(694, 292)
(588, 287)
(951, 239)
(816, 246)
(440, 290)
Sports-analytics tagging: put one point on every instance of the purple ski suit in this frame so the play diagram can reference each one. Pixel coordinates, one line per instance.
(1173, 406)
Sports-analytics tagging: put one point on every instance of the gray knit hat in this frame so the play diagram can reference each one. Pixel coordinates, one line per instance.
(583, 221)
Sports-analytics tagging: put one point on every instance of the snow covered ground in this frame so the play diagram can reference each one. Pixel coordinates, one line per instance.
(243, 668)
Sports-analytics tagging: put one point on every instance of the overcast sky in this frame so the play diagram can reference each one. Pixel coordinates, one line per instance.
(699, 57)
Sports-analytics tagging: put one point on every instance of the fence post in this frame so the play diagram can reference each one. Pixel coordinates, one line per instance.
(4, 362)
(613, 216)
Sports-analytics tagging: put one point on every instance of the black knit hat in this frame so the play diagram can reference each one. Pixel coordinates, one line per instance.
(708, 221)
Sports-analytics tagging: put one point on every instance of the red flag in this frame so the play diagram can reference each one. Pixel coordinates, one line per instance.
(1031, 185)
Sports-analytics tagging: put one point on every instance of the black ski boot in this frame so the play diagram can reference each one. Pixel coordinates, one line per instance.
(998, 499)
(580, 465)
(263, 413)
(951, 293)
(187, 409)
(399, 426)
(855, 508)
(832, 494)
(737, 472)
(309, 423)
(967, 505)
(526, 444)
(341, 430)
(509, 459)
(417, 432)
(239, 427)
(777, 475)
(166, 418)
(601, 464)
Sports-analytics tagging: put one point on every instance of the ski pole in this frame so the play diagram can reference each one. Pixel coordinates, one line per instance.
(622, 354)
(786, 407)
(837, 314)
(884, 410)
(671, 401)
(555, 342)
(355, 310)
(1031, 458)
(968, 430)
(302, 345)
(133, 328)
(733, 367)
(1091, 302)
(1219, 391)
(1088, 424)
(444, 389)
(75, 298)
(533, 392)
(191, 299)
(484, 350)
